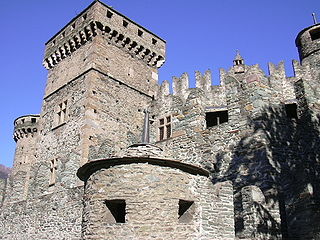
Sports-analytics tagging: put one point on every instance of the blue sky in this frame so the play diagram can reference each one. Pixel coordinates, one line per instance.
(200, 35)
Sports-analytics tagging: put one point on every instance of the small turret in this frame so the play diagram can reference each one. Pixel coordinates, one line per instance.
(25, 135)
(238, 63)
(308, 44)
(25, 127)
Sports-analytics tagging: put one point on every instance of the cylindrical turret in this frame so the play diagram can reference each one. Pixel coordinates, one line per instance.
(25, 135)
(144, 195)
(308, 44)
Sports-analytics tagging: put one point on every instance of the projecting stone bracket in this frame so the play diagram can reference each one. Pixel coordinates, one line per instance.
(134, 48)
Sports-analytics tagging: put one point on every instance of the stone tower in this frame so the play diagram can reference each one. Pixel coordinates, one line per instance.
(103, 70)
(302, 199)
(308, 45)
(26, 136)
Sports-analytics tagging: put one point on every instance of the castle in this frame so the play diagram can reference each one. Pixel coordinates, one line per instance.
(234, 161)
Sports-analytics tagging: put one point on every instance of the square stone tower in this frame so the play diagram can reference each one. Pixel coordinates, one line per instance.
(103, 70)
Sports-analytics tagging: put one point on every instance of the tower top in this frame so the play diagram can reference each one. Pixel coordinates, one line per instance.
(238, 60)
(101, 19)
(308, 41)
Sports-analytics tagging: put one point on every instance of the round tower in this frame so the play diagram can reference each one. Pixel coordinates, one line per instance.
(308, 44)
(25, 135)
(143, 194)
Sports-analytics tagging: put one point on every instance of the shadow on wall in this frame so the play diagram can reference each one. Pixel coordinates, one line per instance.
(275, 173)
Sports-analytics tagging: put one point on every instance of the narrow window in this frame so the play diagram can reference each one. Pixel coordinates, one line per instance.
(53, 172)
(117, 209)
(291, 110)
(140, 33)
(109, 14)
(315, 34)
(33, 120)
(186, 211)
(168, 127)
(161, 133)
(84, 17)
(125, 23)
(168, 130)
(62, 112)
(216, 118)
(165, 128)
(73, 26)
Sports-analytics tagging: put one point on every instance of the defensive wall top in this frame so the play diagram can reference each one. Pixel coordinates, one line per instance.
(117, 28)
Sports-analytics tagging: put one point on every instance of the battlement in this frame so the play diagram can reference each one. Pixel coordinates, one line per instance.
(100, 19)
(25, 126)
(249, 76)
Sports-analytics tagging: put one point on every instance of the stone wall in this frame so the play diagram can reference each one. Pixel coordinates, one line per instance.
(60, 140)
(238, 150)
(152, 194)
(114, 115)
(52, 216)
(3, 184)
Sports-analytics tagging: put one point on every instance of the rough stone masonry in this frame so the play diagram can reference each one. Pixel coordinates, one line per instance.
(234, 161)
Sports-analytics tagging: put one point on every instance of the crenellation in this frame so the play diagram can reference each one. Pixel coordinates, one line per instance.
(25, 126)
(203, 81)
(277, 70)
(164, 89)
(127, 27)
(180, 86)
(300, 70)
(278, 81)
(54, 54)
(118, 35)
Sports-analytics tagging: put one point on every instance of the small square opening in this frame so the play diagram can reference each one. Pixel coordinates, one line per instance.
(315, 34)
(154, 41)
(216, 118)
(125, 23)
(109, 14)
(140, 33)
(117, 208)
(291, 110)
(33, 120)
(186, 211)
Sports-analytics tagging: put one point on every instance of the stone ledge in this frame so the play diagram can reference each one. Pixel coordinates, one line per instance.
(89, 168)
